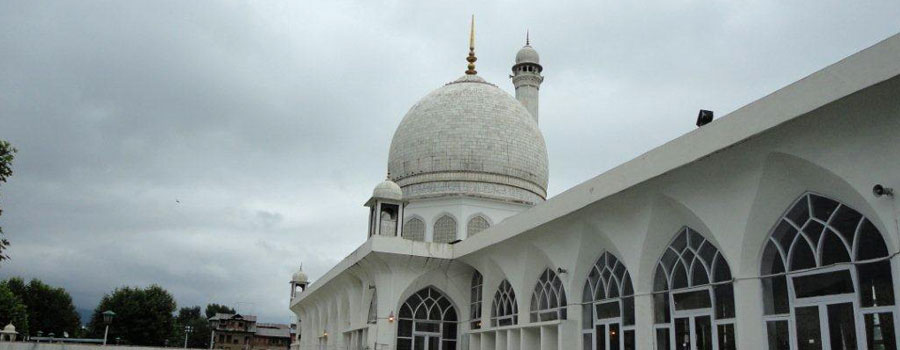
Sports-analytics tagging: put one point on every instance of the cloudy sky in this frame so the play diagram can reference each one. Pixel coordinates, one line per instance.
(270, 122)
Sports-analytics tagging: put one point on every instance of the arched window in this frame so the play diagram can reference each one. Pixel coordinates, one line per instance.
(445, 229)
(427, 321)
(476, 225)
(475, 306)
(504, 311)
(414, 229)
(693, 296)
(548, 301)
(373, 309)
(608, 311)
(826, 271)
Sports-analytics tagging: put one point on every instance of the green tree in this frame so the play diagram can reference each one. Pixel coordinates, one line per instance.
(12, 309)
(7, 152)
(199, 336)
(50, 309)
(143, 315)
(213, 309)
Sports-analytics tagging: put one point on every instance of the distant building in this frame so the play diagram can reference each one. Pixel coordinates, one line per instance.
(241, 332)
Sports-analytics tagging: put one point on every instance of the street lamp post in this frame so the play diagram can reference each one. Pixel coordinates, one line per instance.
(107, 319)
(187, 331)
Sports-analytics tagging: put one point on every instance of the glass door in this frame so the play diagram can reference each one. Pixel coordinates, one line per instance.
(426, 342)
(693, 333)
(826, 327)
(607, 336)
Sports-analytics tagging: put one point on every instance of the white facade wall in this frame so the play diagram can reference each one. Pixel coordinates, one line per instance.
(733, 197)
(461, 209)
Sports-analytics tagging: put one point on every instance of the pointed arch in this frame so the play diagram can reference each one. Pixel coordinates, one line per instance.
(414, 229)
(444, 229)
(429, 310)
(548, 300)
(608, 297)
(504, 309)
(373, 308)
(477, 224)
(475, 307)
(819, 248)
(693, 278)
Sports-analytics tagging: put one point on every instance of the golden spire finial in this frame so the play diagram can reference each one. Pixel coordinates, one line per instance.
(471, 59)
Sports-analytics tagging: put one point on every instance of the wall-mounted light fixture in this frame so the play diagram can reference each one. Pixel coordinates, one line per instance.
(391, 317)
(880, 190)
(561, 270)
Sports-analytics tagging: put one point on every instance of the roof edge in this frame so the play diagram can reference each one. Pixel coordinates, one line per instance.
(863, 69)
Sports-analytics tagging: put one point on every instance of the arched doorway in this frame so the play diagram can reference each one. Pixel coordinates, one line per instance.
(428, 321)
(826, 278)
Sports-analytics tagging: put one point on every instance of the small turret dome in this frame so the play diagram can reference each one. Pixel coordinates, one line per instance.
(388, 190)
(528, 55)
(300, 276)
(9, 328)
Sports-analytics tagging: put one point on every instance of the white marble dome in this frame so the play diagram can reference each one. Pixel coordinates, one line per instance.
(469, 138)
(388, 189)
(527, 54)
(300, 276)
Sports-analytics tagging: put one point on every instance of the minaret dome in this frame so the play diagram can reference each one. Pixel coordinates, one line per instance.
(527, 77)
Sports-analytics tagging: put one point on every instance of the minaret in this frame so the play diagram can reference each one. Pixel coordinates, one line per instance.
(527, 77)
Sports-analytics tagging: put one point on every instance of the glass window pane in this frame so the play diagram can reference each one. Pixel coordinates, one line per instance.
(837, 282)
(842, 326)
(628, 340)
(880, 331)
(404, 344)
(587, 316)
(724, 301)
(870, 244)
(775, 295)
(405, 328)
(800, 212)
(802, 256)
(628, 313)
(875, 284)
(662, 339)
(587, 341)
(809, 336)
(659, 280)
(679, 277)
(449, 330)
(726, 337)
(600, 333)
(833, 250)
(692, 300)
(703, 332)
(614, 336)
(608, 310)
(779, 338)
(682, 333)
(771, 260)
(661, 307)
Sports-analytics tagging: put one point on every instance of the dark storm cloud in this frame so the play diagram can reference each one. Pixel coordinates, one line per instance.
(211, 147)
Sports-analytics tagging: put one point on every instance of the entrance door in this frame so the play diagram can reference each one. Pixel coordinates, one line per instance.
(607, 336)
(693, 333)
(826, 327)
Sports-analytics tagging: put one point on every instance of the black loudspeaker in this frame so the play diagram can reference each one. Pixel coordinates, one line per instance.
(704, 117)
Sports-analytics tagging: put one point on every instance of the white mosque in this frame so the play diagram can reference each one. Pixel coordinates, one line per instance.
(773, 227)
